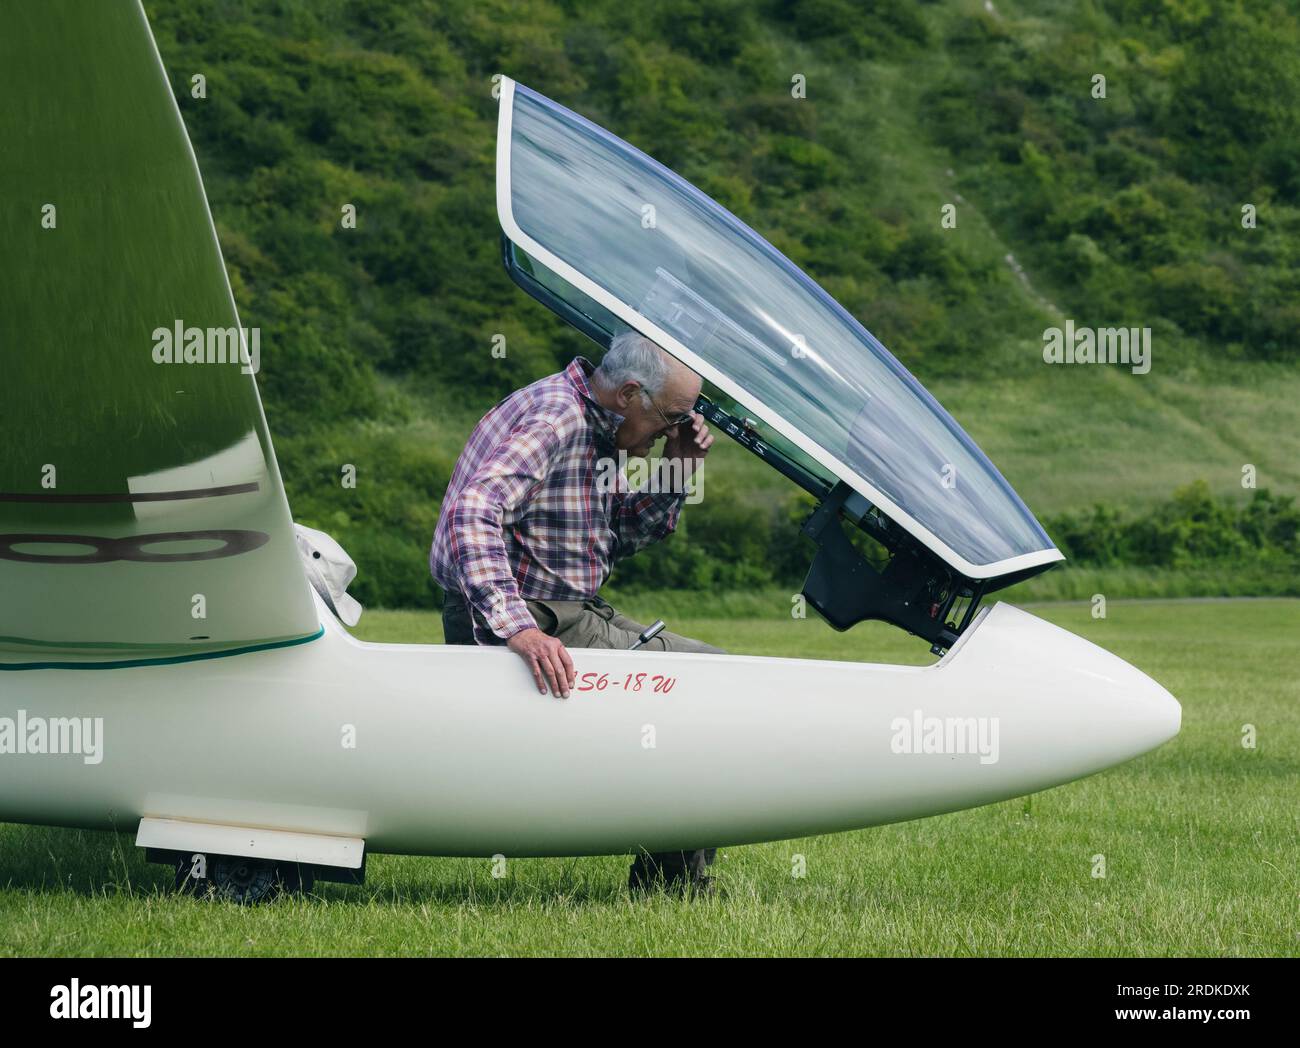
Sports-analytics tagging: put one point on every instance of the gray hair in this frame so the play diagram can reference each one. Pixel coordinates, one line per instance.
(634, 358)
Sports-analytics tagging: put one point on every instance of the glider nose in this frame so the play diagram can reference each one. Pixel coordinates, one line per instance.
(1166, 713)
(1090, 708)
(1148, 714)
(1141, 713)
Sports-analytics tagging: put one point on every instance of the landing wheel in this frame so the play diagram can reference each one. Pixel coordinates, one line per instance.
(243, 880)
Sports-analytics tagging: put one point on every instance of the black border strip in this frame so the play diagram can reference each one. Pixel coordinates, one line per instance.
(131, 496)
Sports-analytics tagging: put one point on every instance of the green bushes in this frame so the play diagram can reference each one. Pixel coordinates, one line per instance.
(388, 107)
(740, 540)
(377, 493)
(1200, 119)
(1193, 529)
(1125, 210)
(725, 543)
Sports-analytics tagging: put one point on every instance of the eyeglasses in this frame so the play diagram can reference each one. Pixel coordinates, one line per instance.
(676, 420)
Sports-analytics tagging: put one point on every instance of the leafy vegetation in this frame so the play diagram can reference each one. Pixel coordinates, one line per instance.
(1218, 542)
(1119, 210)
(1133, 203)
(1191, 528)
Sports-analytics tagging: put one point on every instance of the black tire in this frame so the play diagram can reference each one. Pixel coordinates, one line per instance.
(241, 880)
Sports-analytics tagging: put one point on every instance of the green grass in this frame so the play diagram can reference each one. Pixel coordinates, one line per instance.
(1199, 838)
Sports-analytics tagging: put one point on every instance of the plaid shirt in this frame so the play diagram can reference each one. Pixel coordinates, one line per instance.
(525, 516)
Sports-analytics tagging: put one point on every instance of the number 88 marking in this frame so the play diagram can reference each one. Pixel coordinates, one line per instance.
(131, 547)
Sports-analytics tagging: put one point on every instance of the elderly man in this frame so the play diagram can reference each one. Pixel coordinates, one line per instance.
(530, 528)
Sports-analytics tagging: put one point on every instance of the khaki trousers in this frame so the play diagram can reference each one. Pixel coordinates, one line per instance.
(593, 623)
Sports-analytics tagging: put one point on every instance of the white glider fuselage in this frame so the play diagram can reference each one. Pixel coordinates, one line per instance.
(447, 750)
(143, 520)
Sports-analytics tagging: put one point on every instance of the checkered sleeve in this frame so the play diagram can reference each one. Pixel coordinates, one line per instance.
(641, 518)
(504, 480)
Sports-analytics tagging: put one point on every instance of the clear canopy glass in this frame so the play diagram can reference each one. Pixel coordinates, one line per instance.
(667, 259)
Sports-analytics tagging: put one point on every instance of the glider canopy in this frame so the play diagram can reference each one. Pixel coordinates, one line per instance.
(611, 239)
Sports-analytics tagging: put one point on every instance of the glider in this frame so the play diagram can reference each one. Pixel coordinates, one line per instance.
(157, 601)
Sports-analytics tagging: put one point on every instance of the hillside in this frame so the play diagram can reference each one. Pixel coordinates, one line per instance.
(1117, 211)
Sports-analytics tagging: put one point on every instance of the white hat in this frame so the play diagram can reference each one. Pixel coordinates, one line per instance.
(329, 570)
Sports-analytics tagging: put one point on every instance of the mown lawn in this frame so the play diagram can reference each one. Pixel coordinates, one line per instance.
(1201, 841)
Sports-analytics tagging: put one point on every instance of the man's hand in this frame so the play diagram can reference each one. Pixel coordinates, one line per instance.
(689, 444)
(548, 660)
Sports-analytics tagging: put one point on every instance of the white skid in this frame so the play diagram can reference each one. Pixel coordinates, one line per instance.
(254, 842)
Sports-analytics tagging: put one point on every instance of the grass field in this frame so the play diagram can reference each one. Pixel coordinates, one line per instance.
(1201, 840)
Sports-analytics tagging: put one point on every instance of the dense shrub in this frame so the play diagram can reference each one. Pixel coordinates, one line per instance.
(1201, 117)
(1191, 529)
(1128, 209)
(724, 544)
